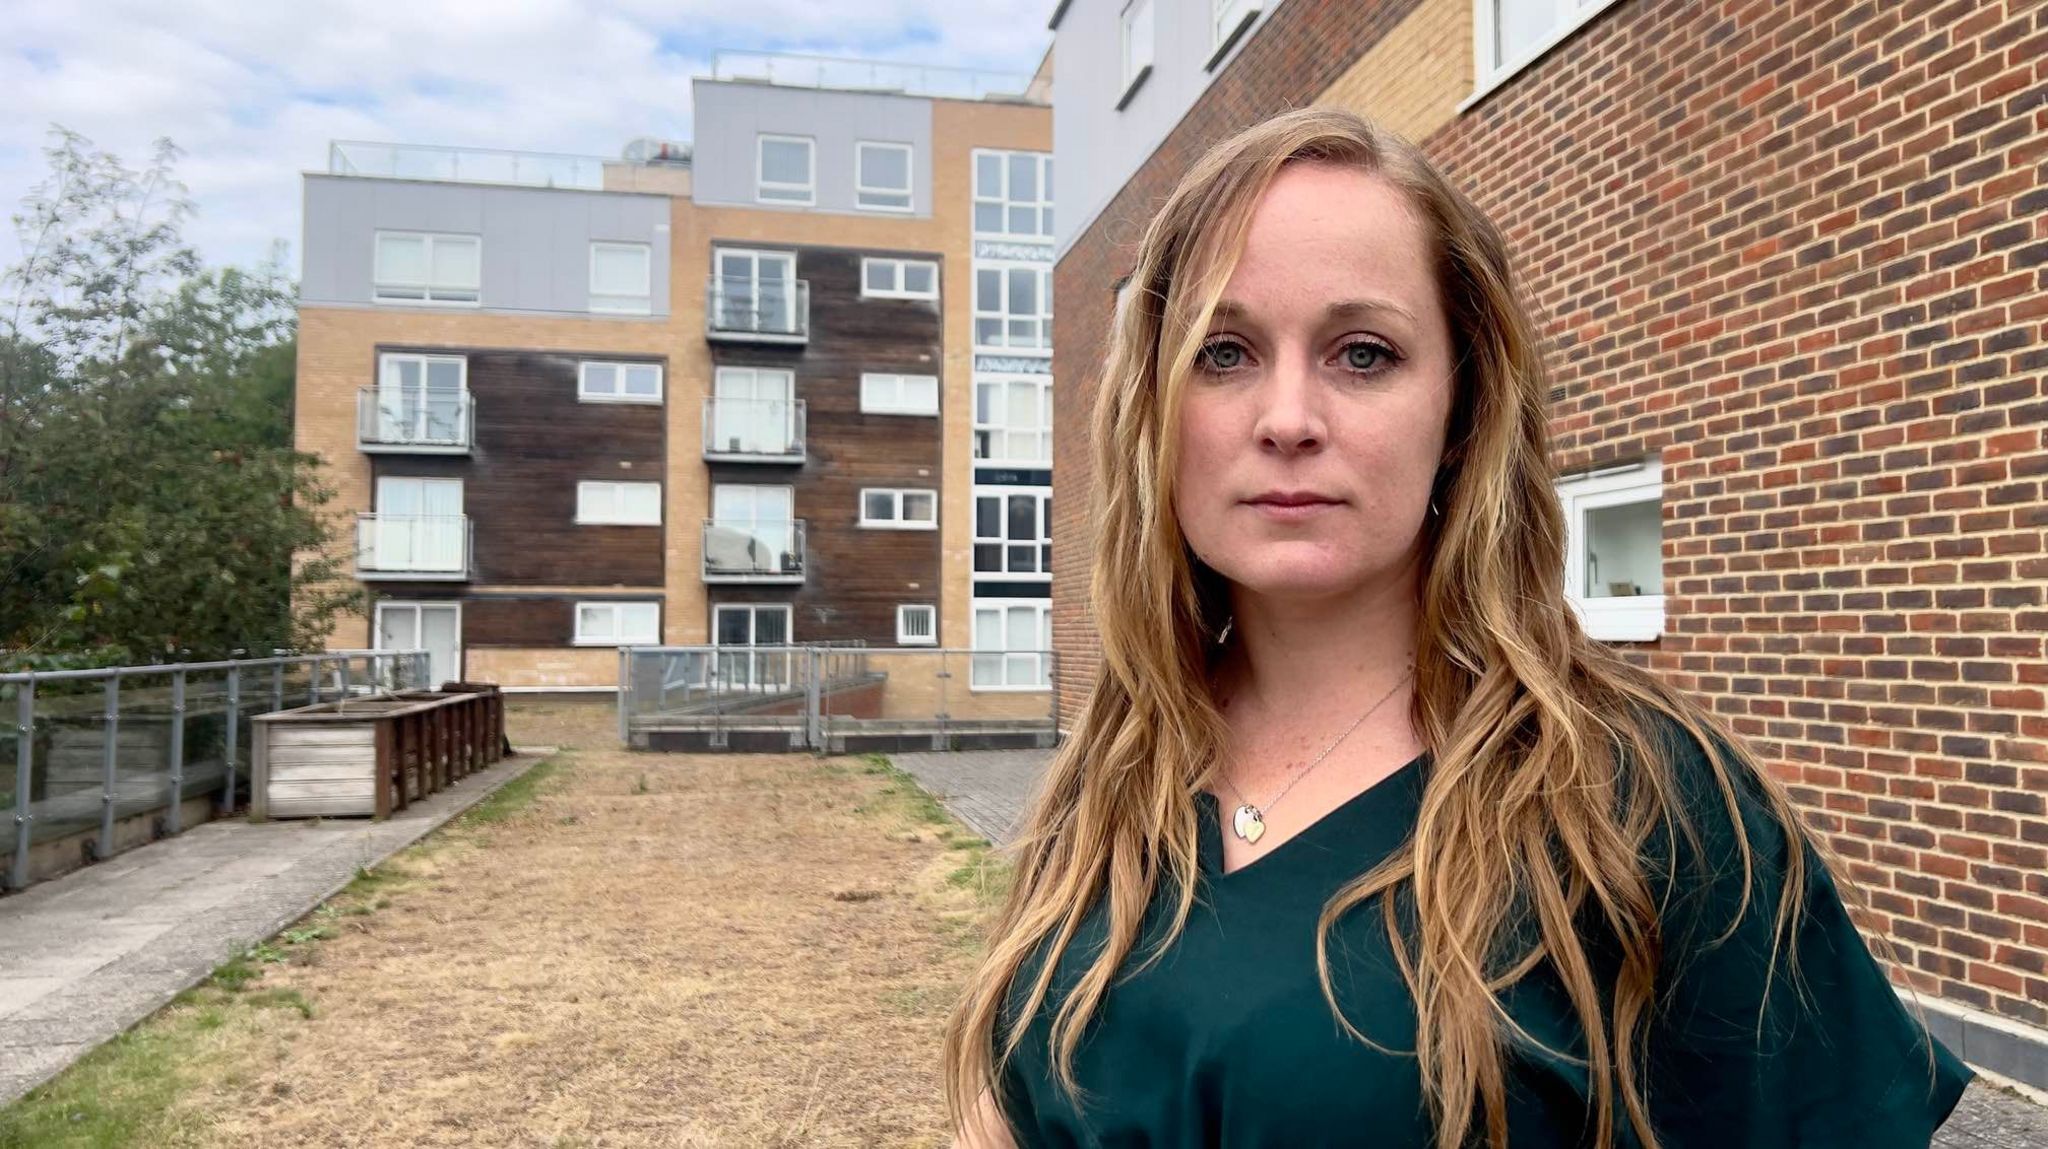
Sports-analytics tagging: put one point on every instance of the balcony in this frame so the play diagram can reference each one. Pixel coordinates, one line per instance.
(756, 551)
(413, 547)
(753, 430)
(437, 423)
(464, 165)
(742, 310)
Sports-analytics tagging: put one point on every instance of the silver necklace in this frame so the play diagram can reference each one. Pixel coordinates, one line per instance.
(1248, 822)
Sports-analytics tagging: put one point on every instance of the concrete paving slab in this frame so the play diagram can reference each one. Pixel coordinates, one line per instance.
(91, 953)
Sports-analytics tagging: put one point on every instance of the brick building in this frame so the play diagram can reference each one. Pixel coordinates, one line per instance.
(1791, 263)
(786, 383)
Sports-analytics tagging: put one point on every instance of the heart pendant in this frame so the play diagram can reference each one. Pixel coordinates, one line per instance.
(1248, 824)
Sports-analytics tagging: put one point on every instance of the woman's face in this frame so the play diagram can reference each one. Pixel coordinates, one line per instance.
(1313, 422)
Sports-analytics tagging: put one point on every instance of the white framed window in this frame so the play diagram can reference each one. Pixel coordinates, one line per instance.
(917, 624)
(784, 169)
(1509, 35)
(420, 400)
(618, 504)
(428, 267)
(600, 381)
(1013, 533)
(1013, 420)
(902, 509)
(881, 176)
(622, 278)
(748, 625)
(1227, 20)
(1614, 557)
(618, 623)
(1012, 644)
(899, 279)
(754, 412)
(1012, 194)
(1136, 26)
(882, 394)
(1013, 306)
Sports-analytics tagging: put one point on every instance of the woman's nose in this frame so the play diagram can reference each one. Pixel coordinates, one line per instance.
(1290, 416)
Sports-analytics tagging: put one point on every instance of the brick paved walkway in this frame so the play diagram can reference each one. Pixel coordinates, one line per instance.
(989, 789)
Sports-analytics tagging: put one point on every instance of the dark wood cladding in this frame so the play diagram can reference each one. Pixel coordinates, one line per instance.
(856, 578)
(534, 442)
(537, 621)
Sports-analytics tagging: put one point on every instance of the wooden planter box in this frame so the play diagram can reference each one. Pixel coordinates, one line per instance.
(372, 755)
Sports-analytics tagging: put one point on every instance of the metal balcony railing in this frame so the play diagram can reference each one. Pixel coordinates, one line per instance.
(796, 70)
(754, 430)
(413, 546)
(464, 165)
(742, 550)
(436, 423)
(757, 310)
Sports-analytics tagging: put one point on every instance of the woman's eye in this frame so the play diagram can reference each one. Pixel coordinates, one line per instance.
(1365, 356)
(1221, 355)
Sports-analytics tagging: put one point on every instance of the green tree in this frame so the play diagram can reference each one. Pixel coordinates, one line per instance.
(151, 506)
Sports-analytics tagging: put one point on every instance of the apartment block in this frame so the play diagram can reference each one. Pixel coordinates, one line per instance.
(1788, 260)
(788, 382)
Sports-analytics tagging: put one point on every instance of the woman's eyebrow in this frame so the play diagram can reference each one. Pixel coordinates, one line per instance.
(1230, 310)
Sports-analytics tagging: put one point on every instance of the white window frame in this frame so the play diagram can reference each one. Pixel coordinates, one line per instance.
(905, 636)
(895, 385)
(896, 498)
(1000, 196)
(610, 494)
(862, 190)
(777, 663)
(585, 395)
(899, 276)
(1489, 71)
(1043, 496)
(1002, 311)
(809, 187)
(1041, 658)
(1636, 618)
(617, 636)
(641, 303)
(431, 294)
(1136, 58)
(1227, 18)
(999, 426)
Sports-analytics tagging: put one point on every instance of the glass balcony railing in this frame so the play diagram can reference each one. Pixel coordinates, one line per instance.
(743, 309)
(434, 423)
(413, 546)
(464, 165)
(753, 550)
(754, 430)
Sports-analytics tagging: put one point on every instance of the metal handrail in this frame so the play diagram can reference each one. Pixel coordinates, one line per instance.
(752, 442)
(370, 529)
(801, 70)
(465, 165)
(761, 308)
(770, 565)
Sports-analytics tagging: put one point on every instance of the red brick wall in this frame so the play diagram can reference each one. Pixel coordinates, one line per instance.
(1800, 250)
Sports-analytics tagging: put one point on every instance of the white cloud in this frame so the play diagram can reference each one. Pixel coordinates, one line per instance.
(254, 92)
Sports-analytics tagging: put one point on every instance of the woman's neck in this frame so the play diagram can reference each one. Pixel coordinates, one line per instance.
(1316, 657)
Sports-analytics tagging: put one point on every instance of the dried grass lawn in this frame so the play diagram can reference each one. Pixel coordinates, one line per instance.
(656, 950)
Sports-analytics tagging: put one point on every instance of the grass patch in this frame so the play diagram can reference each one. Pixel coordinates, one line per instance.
(513, 797)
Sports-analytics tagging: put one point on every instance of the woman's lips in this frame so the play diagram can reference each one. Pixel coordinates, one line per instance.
(1291, 512)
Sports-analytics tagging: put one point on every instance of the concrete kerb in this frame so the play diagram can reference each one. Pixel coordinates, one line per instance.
(41, 1040)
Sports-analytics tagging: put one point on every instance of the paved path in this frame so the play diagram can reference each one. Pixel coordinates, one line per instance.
(87, 955)
(988, 790)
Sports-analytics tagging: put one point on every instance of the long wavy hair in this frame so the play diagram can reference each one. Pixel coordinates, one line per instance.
(1546, 777)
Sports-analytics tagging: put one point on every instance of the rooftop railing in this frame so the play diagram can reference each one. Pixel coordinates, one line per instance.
(796, 70)
(464, 165)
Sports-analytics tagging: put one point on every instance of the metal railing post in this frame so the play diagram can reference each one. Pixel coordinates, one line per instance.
(313, 681)
(24, 760)
(110, 767)
(814, 697)
(276, 687)
(174, 822)
(625, 695)
(344, 677)
(234, 733)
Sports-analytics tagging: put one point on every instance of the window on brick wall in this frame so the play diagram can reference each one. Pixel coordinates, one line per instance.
(1137, 48)
(1511, 34)
(1614, 559)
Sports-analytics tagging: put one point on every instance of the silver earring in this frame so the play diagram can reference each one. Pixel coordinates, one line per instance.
(1224, 635)
(1432, 508)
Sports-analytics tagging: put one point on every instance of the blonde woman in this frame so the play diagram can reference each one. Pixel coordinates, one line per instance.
(1360, 840)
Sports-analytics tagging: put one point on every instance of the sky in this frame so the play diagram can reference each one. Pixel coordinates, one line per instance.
(254, 90)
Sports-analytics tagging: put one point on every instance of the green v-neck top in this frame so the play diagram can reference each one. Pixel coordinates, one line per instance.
(1227, 1040)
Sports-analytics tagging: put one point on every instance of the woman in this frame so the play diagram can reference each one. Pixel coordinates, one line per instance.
(1360, 839)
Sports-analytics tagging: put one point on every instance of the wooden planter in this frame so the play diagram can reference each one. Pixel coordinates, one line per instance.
(371, 755)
